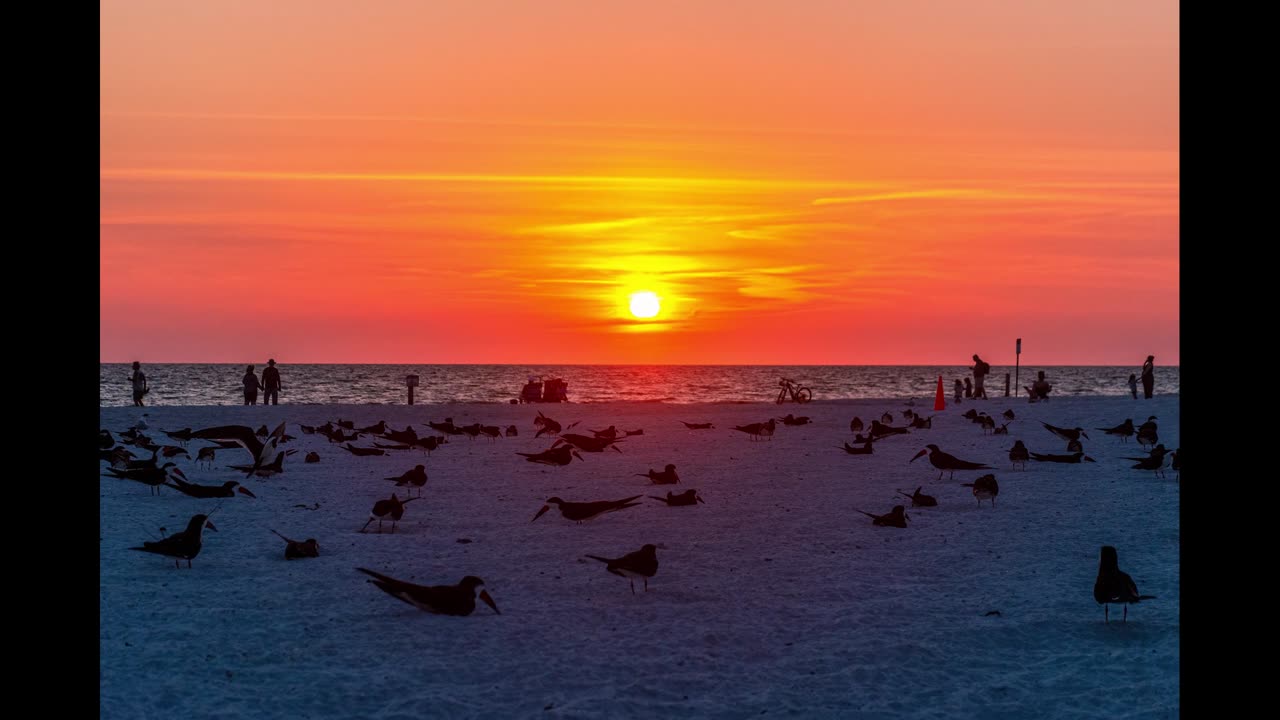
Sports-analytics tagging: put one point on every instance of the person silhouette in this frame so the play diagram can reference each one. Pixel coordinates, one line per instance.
(1148, 376)
(139, 380)
(271, 384)
(959, 390)
(1133, 385)
(968, 388)
(1040, 388)
(980, 371)
(251, 387)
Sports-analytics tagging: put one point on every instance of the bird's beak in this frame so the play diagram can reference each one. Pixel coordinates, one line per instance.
(704, 502)
(575, 454)
(920, 454)
(540, 512)
(1085, 434)
(484, 595)
(1089, 459)
(209, 524)
(179, 473)
(246, 491)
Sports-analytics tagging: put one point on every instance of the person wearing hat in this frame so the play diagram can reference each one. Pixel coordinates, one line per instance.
(271, 384)
(1148, 376)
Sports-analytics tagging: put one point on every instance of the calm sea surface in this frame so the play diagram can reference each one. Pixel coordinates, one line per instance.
(197, 384)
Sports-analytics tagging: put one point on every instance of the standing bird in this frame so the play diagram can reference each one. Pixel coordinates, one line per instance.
(1002, 430)
(987, 423)
(758, 430)
(688, 497)
(666, 477)
(1147, 435)
(512, 431)
(1114, 586)
(1124, 430)
(561, 456)
(545, 425)
(153, 476)
(392, 509)
(1156, 461)
(855, 425)
(457, 599)
(642, 563)
(1065, 433)
(897, 517)
(295, 550)
(183, 545)
(206, 456)
(919, 499)
(985, 488)
(580, 512)
(947, 463)
(1018, 454)
(1008, 414)
(417, 477)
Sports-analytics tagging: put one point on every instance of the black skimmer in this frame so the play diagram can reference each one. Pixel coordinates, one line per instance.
(152, 476)
(119, 457)
(688, 497)
(793, 421)
(632, 433)
(887, 418)
(985, 488)
(1124, 430)
(642, 563)
(919, 499)
(608, 433)
(378, 428)
(183, 545)
(1018, 454)
(430, 443)
(306, 430)
(864, 450)
(182, 436)
(105, 441)
(512, 431)
(145, 463)
(390, 446)
(1008, 414)
(970, 414)
(268, 470)
(758, 430)
(417, 477)
(225, 490)
(587, 444)
(457, 599)
(1114, 586)
(1065, 433)
(348, 424)
(472, 431)
(447, 427)
(561, 455)
(922, 423)
(879, 430)
(363, 452)
(947, 463)
(312, 457)
(295, 550)
(897, 517)
(206, 456)
(1147, 435)
(263, 452)
(1075, 446)
(1072, 458)
(666, 477)
(391, 509)
(408, 436)
(988, 424)
(1156, 461)
(855, 425)
(580, 512)
(698, 426)
(546, 425)
(493, 432)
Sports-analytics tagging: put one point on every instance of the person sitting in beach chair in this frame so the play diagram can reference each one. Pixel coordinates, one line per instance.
(1039, 389)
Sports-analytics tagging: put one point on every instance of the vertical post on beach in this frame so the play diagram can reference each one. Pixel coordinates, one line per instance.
(1017, 361)
(1006, 384)
(412, 382)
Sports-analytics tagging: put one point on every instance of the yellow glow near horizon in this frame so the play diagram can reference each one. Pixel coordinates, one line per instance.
(645, 304)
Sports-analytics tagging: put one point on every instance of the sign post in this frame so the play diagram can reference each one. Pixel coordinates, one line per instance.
(411, 381)
(1016, 363)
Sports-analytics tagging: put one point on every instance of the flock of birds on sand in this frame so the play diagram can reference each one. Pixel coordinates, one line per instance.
(267, 459)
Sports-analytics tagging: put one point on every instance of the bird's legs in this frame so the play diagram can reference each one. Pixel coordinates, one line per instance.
(633, 587)
(646, 584)
(1106, 613)
(1126, 613)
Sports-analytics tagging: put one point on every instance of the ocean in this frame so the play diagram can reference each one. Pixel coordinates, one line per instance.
(191, 384)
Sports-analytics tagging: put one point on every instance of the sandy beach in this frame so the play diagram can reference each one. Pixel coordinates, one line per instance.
(775, 597)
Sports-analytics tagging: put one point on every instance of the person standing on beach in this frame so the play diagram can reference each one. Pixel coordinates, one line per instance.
(968, 388)
(980, 370)
(959, 390)
(271, 384)
(1148, 376)
(251, 387)
(1133, 385)
(139, 380)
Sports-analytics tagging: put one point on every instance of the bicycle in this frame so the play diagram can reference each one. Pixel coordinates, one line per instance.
(798, 393)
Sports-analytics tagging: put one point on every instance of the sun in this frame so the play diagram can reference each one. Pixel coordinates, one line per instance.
(645, 304)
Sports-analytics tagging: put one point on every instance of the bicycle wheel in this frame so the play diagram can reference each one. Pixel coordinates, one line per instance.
(782, 396)
(804, 395)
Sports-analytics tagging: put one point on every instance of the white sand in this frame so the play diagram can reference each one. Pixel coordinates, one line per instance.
(774, 598)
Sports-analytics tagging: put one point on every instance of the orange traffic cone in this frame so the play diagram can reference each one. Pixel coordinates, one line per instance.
(940, 403)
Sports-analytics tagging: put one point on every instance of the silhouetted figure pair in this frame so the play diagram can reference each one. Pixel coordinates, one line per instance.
(1148, 376)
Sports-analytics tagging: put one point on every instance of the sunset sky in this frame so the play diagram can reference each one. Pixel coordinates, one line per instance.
(805, 182)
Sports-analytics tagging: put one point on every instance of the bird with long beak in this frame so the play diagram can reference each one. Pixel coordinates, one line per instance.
(897, 517)
(294, 550)
(581, 512)
(864, 450)
(587, 444)
(642, 563)
(879, 430)
(408, 436)
(430, 443)
(225, 490)
(947, 463)
(1073, 458)
(758, 430)
(183, 545)
(608, 433)
(206, 456)
(457, 599)
(1156, 461)
(688, 497)
(666, 477)
(363, 452)
(985, 488)
(793, 421)
(391, 509)
(561, 456)
(919, 499)
(1114, 586)
(1018, 454)
(152, 476)
(1065, 433)
(417, 477)
(378, 428)
(545, 425)
(698, 426)
(268, 470)
(1124, 430)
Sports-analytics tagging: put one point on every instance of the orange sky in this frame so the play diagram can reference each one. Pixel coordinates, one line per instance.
(843, 182)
